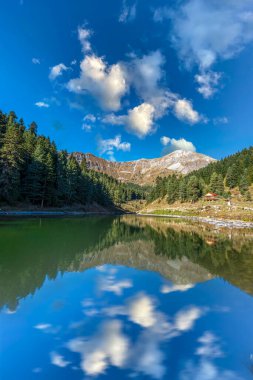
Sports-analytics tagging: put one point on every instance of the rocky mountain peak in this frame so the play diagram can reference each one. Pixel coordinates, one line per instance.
(144, 171)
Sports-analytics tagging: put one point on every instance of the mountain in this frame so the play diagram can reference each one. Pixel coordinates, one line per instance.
(144, 171)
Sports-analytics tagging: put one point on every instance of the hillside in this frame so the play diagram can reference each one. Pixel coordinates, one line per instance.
(145, 171)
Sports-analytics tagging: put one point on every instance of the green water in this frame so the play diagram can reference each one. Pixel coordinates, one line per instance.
(113, 297)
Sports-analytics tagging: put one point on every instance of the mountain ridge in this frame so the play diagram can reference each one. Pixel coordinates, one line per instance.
(144, 171)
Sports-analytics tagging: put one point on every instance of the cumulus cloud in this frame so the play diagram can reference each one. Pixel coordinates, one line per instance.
(185, 319)
(58, 360)
(165, 140)
(57, 71)
(108, 347)
(141, 310)
(208, 82)
(138, 121)
(42, 104)
(197, 26)
(109, 146)
(170, 145)
(128, 12)
(106, 83)
(36, 61)
(184, 111)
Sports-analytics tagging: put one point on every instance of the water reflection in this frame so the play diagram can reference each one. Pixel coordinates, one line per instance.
(34, 250)
(124, 297)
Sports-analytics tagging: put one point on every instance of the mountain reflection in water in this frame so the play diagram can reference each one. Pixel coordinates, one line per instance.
(127, 296)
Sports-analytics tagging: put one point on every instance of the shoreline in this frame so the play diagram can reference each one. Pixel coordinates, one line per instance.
(57, 213)
(219, 223)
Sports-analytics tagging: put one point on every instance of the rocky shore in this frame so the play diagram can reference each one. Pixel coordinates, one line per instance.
(219, 223)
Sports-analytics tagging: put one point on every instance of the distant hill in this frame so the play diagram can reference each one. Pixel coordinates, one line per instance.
(145, 171)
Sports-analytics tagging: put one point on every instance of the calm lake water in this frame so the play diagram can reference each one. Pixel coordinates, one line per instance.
(124, 297)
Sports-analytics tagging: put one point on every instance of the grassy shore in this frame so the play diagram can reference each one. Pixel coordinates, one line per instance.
(242, 211)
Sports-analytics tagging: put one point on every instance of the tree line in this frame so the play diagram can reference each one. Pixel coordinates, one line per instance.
(235, 171)
(33, 171)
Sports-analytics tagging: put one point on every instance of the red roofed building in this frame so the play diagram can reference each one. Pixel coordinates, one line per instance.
(211, 197)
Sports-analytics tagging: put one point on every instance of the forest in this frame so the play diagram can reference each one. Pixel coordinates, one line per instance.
(220, 177)
(33, 171)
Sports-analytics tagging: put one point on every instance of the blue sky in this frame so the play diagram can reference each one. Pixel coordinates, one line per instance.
(127, 79)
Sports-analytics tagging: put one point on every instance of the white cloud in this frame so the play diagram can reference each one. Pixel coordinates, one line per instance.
(208, 82)
(184, 111)
(221, 120)
(165, 140)
(109, 347)
(110, 284)
(206, 369)
(58, 360)
(128, 12)
(197, 37)
(47, 328)
(36, 61)
(166, 289)
(57, 71)
(42, 104)
(138, 121)
(108, 146)
(197, 26)
(106, 83)
(172, 144)
(209, 346)
(185, 319)
(90, 117)
(145, 73)
(141, 310)
(43, 326)
(162, 13)
(83, 36)
(86, 127)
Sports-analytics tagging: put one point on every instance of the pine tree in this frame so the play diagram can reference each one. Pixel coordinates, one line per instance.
(73, 179)
(183, 190)
(216, 183)
(11, 158)
(232, 179)
(194, 189)
(244, 183)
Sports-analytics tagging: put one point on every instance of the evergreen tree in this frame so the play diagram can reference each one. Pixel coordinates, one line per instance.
(194, 189)
(73, 179)
(11, 158)
(216, 183)
(244, 183)
(232, 178)
(183, 190)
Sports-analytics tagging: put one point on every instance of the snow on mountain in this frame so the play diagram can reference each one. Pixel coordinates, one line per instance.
(144, 171)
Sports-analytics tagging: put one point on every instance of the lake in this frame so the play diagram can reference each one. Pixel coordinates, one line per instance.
(124, 297)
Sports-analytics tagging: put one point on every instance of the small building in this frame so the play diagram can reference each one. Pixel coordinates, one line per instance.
(211, 197)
